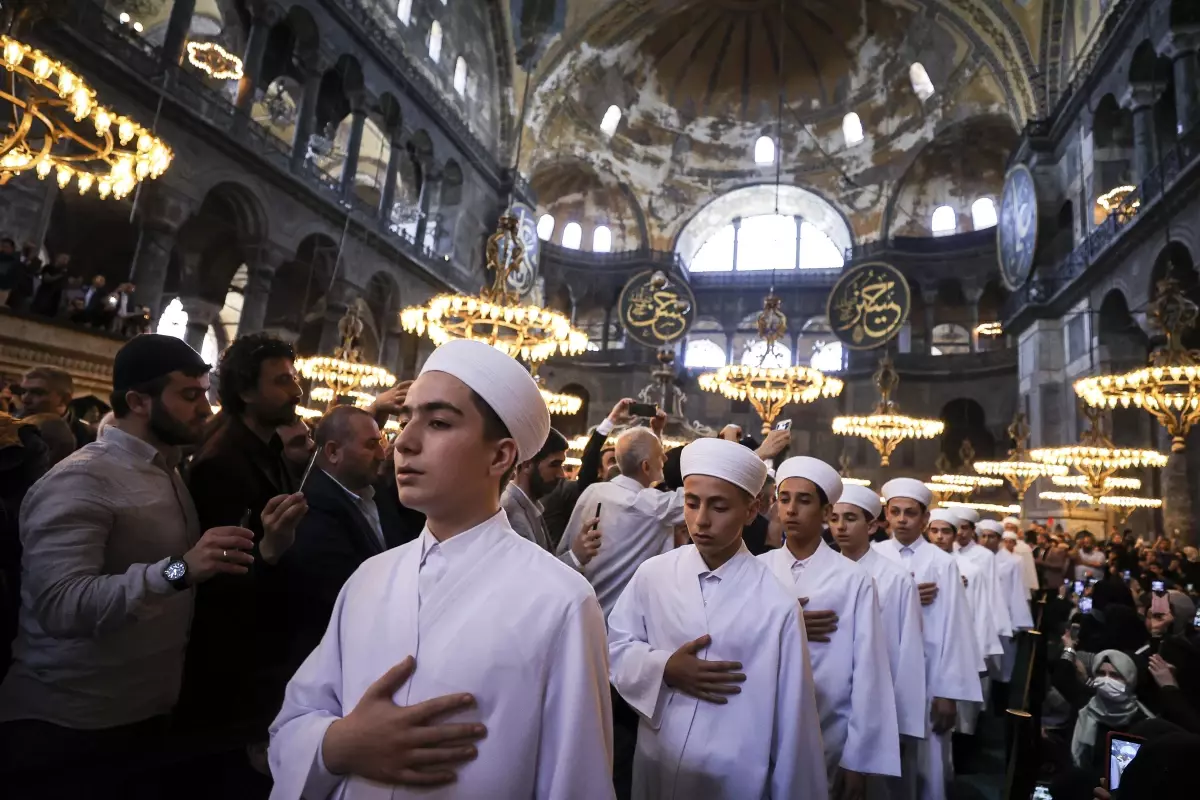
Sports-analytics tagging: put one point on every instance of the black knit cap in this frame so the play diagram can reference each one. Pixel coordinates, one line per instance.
(151, 355)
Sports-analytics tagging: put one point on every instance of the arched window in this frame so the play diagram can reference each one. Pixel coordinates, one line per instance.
(716, 254)
(922, 86)
(703, 354)
(983, 213)
(757, 355)
(827, 356)
(602, 239)
(435, 41)
(572, 236)
(460, 76)
(767, 242)
(944, 221)
(612, 118)
(764, 150)
(818, 340)
(173, 322)
(404, 11)
(852, 128)
(817, 250)
(545, 227)
(949, 339)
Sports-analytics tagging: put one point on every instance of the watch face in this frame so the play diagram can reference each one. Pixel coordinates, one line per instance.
(175, 570)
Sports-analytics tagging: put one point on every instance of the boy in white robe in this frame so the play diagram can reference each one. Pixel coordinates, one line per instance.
(850, 667)
(966, 546)
(1010, 578)
(1023, 551)
(952, 658)
(492, 652)
(710, 651)
(853, 522)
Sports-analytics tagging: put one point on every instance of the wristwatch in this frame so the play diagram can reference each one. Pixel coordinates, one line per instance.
(176, 573)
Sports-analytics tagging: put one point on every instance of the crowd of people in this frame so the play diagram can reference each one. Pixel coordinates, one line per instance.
(54, 289)
(241, 606)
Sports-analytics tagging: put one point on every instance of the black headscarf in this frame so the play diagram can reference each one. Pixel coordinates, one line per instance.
(1163, 769)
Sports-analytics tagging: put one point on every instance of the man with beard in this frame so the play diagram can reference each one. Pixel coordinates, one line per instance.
(113, 552)
(521, 500)
(236, 656)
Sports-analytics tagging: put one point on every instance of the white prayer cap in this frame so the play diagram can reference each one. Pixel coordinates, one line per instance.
(1012, 521)
(726, 460)
(864, 498)
(1009, 535)
(504, 385)
(989, 525)
(944, 515)
(812, 469)
(770, 473)
(966, 514)
(907, 487)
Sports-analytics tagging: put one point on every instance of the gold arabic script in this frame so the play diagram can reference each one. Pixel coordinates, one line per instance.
(660, 314)
(866, 306)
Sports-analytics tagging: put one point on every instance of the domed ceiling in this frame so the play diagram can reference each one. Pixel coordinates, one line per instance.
(699, 82)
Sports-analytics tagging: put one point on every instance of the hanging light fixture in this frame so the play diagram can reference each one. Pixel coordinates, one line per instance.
(1019, 469)
(886, 428)
(1169, 388)
(58, 125)
(344, 373)
(1096, 457)
(215, 61)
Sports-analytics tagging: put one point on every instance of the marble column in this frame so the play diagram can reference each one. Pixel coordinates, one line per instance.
(161, 213)
(350, 165)
(1140, 99)
(305, 118)
(929, 299)
(1181, 45)
(252, 60)
(201, 315)
(388, 198)
(729, 337)
(1044, 393)
(1177, 498)
(972, 295)
(257, 292)
(178, 26)
(737, 232)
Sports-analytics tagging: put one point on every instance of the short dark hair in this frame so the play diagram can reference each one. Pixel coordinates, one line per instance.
(335, 425)
(59, 381)
(241, 366)
(154, 388)
(824, 498)
(555, 443)
(494, 430)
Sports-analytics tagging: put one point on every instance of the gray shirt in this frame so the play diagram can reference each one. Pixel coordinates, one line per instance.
(525, 517)
(101, 634)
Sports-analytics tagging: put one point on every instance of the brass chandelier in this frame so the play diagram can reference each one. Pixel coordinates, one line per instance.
(886, 427)
(1019, 469)
(1096, 457)
(497, 317)
(769, 389)
(1169, 388)
(56, 124)
(344, 373)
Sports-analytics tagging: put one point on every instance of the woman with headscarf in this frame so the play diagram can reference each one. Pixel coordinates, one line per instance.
(1113, 706)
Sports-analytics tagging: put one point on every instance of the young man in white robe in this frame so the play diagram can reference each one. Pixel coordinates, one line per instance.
(850, 667)
(710, 651)
(1011, 580)
(952, 658)
(966, 546)
(853, 522)
(943, 531)
(1024, 552)
(467, 663)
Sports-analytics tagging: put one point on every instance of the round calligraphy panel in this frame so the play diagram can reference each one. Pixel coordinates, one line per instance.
(656, 309)
(1017, 228)
(868, 305)
(523, 275)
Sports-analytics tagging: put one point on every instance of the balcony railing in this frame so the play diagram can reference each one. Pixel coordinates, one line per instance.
(569, 258)
(1048, 283)
(88, 22)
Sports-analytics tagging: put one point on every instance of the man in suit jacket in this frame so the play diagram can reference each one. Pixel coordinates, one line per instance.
(345, 525)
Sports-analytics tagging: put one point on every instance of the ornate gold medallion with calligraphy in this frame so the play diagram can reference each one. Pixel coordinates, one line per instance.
(656, 309)
(868, 305)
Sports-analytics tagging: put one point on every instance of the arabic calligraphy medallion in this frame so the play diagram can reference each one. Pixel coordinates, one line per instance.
(868, 305)
(1017, 229)
(522, 276)
(656, 309)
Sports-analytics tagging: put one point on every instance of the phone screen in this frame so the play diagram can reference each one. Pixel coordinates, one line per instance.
(1121, 752)
(1196, 620)
(783, 425)
(1041, 792)
(1156, 586)
(1085, 605)
(1078, 587)
(643, 410)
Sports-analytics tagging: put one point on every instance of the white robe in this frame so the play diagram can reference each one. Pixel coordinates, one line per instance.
(508, 623)
(997, 603)
(1010, 575)
(952, 657)
(978, 599)
(766, 741)
(900, 612)
(851, 672)
(1028, 566)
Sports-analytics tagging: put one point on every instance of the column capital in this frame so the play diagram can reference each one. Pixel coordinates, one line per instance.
(1180, 41)
(199, 310)
(164, 209)
(1141, 95)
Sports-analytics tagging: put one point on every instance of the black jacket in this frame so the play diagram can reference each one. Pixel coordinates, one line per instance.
(235, 654)
(332, 541)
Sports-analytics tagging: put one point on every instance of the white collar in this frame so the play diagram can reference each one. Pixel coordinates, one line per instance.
(459, 545)
(697, 566)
